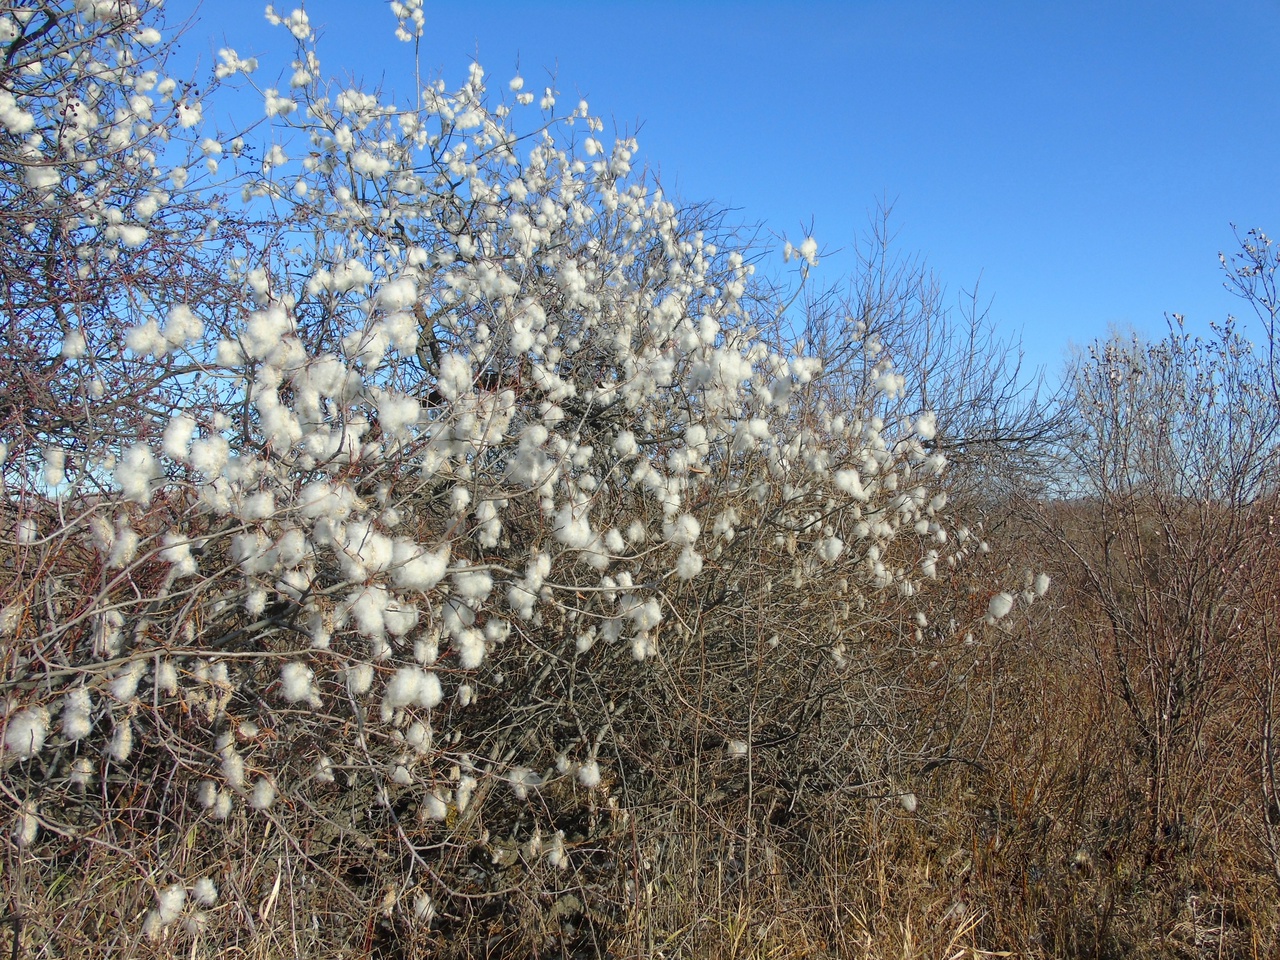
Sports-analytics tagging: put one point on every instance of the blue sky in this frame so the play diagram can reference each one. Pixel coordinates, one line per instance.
(1083, 160)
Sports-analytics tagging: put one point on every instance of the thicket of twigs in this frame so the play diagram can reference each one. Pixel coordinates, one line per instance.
(427, 539)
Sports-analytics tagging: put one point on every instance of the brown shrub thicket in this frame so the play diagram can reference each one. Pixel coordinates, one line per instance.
(447, 549)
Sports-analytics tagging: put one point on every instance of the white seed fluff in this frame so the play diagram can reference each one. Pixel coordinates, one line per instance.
(1000, 605)
(76, 710)
(168, 908)
(297, 684)
(121, 741)
(27, 826)
(26, 733)
(264, 794)
(205, 892)
(411, 686)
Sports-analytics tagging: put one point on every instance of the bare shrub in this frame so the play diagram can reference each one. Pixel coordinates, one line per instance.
(416, 559)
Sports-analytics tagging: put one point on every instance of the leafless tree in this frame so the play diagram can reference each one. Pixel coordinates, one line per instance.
(1176, 461)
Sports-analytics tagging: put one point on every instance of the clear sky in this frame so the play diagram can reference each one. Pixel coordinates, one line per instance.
(1083, 159)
